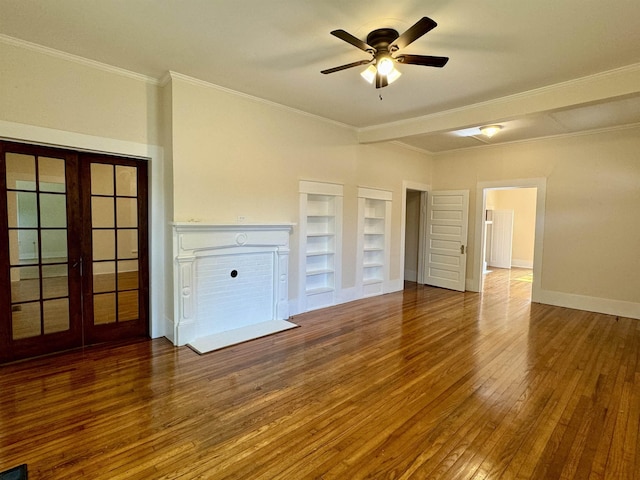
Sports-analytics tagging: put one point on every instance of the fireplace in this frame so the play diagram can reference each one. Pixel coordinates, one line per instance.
(229, 277)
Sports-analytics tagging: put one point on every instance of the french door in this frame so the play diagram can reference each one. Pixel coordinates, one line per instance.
(74, 255)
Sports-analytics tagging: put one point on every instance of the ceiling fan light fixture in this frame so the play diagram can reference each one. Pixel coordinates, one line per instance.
(490, 130)
(393, 76)
(383, 44)
(369, 74)
(385, 66)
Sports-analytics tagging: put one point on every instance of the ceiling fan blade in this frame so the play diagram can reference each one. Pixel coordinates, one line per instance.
(344, 67)
(426, 60)
(356, 42)
(421, 27)
(381, 81)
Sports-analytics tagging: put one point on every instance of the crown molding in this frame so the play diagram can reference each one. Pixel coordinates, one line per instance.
(171, 75)
(16, 42)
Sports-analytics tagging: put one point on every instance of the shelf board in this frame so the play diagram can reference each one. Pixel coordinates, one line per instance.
(327, 234)
(372, 281)
(317, 291)
(315, 254)
(372, 265)
(319, 272)
(374, 249)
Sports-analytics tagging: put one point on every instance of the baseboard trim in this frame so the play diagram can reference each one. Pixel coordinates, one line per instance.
(607, 306)
(521, 263)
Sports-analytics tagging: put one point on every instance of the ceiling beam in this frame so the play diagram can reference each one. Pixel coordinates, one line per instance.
(585, 90)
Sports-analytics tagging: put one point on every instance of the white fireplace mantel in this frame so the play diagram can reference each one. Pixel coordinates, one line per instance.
(228, 275)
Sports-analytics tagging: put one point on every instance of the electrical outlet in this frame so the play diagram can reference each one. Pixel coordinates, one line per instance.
(241, 218)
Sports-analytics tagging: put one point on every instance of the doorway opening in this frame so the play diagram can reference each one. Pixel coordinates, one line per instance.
(412, 236)
(414, 211)
(510, 219)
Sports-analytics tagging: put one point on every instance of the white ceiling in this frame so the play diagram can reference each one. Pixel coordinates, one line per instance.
(275, 50)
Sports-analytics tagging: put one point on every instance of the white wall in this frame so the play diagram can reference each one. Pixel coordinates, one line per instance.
(235, 155)
(592, 226)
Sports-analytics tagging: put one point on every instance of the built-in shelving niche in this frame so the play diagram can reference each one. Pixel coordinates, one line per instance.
(374, 231)
(320, 244)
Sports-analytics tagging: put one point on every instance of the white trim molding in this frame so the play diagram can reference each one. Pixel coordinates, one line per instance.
(607, 306)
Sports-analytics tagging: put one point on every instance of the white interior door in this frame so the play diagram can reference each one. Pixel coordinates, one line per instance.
(446, 239)
(501, 239)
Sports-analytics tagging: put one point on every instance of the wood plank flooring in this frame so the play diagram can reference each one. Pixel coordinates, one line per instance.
(425, 383)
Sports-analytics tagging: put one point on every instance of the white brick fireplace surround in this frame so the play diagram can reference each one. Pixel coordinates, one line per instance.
(228, 277)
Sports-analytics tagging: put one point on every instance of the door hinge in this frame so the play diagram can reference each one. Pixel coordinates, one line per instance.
(462, 249)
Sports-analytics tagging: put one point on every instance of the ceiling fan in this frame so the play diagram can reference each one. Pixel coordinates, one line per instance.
(383, 44)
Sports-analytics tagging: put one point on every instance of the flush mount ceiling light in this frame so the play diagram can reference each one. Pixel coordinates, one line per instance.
(382, 44)
(490, 130)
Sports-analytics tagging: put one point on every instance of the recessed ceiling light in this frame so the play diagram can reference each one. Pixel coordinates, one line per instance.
(490, 130)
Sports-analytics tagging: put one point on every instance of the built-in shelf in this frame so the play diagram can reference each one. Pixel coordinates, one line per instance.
(320, 243)
(374, 228)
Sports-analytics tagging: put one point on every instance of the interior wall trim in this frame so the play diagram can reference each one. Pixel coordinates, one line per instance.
(607, 306)
(16, 42)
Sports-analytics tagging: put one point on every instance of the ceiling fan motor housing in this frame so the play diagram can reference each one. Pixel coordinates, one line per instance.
(381, 38)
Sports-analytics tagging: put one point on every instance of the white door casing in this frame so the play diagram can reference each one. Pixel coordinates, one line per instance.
(446, 239)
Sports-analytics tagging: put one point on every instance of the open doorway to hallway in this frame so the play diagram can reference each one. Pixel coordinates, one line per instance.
(412, 236)
(509, 232)
(413, 224)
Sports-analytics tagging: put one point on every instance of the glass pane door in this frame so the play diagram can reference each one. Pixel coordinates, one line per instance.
(117, 266)
(74, 249)
(43, 300)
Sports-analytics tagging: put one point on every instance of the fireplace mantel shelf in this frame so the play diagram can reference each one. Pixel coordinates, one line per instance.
(186, 226)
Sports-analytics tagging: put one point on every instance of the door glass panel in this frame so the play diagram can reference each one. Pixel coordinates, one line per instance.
(102, 212)
(128, 274)
(38, 250)
(101, 179)
(26, 320)
(127, 244)
(127, 306)
(126, 181)
(27, 213)
(23, 247)
(104, 308)
(55, 282)
(21, 169)
(104, 245)
(51, 174)
(25, 284)
(127, 212)
(104, 277)
(22, 209)
(53, 210)
(54, 246)
(56, 315)
(115, 229)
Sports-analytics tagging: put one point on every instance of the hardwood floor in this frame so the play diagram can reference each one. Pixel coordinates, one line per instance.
(425, 383)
